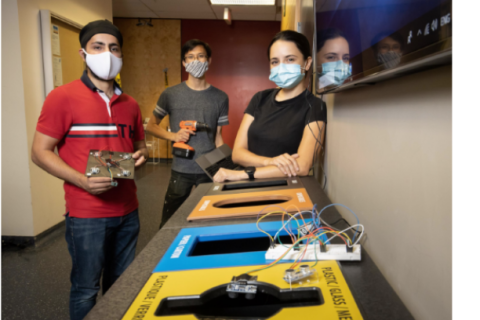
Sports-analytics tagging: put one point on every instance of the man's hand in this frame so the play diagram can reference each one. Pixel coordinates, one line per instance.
(96, 185)
(230, 175)
(139, 157)
(286, 163)
(183, 135)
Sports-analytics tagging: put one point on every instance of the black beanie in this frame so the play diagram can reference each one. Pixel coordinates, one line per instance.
(99, 26)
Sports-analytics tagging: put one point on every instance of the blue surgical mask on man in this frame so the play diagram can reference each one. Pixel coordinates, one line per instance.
(334, 73)
(287, 75)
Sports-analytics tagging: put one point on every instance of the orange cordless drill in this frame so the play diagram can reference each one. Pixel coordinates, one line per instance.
(181, 149)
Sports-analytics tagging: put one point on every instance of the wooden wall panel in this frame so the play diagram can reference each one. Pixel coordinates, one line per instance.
(146, 52)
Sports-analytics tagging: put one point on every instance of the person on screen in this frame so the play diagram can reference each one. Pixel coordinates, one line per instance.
(388, 49)
(333, 57)
(282, 128)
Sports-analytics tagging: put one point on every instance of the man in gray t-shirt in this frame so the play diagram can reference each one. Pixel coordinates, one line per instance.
(194, 99)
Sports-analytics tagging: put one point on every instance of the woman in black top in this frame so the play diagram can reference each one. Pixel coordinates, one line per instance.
(280, 129)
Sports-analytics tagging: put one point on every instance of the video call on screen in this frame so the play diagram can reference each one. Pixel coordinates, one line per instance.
(356, 38)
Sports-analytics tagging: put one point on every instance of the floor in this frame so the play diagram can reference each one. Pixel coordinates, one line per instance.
(35, 280)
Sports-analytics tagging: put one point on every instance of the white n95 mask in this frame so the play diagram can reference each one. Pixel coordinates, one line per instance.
(104, 65)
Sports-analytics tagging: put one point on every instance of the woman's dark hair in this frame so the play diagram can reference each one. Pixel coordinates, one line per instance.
(328, 34)
(299, 39)
(191, 44)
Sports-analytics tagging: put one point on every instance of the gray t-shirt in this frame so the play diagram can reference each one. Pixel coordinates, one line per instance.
(182, 103)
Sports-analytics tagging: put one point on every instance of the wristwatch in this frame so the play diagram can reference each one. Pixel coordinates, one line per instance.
(250, 171)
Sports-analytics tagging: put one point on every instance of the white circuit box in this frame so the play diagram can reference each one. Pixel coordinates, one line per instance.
(333, 252)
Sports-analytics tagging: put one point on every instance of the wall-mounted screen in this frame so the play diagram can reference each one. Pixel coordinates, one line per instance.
(360, 42)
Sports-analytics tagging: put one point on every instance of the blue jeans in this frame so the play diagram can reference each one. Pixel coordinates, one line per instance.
(97, 244)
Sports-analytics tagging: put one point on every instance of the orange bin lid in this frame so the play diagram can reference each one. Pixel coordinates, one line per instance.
(250, 204)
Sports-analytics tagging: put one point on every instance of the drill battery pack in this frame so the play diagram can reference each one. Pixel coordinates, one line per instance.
(183, 152)
(181, 149)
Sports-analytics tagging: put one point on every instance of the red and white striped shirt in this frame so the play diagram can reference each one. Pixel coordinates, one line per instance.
(83, 118)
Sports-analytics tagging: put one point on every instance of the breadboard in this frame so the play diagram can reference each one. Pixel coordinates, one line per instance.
(332, 252)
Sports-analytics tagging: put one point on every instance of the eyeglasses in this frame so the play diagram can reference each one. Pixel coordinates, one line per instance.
(200, 57)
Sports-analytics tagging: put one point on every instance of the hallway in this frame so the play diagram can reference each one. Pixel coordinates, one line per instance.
(36, 280)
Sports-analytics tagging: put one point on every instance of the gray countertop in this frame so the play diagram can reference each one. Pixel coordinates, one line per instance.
(374, 296)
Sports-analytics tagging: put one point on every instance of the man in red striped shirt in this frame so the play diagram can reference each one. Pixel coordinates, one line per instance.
(102, 222)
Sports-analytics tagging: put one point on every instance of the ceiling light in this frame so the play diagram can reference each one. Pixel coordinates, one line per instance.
(243, 2)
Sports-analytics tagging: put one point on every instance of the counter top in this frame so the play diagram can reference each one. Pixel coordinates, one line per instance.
(374, 296)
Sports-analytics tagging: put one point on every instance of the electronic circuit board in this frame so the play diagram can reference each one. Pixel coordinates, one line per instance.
(111, 164)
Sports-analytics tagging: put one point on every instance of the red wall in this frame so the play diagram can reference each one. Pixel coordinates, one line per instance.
(240, 64)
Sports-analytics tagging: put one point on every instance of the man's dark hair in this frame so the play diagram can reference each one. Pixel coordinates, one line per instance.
(395, 36)
(328, 34)
(299, 39)
(191, 44)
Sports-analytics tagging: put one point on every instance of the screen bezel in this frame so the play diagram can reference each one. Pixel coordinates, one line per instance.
(434, 55)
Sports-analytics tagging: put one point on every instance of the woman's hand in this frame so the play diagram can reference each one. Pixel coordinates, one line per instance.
(286, 163)
(230, 175)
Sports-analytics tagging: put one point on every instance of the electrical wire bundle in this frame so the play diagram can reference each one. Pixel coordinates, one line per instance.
(310, 233)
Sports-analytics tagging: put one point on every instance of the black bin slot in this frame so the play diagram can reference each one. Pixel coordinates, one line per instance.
(204, 248)
(254, 184)
(251, 203)
(215, 303)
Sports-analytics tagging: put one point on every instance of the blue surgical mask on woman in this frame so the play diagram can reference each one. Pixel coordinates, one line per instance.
(287, 75)
(334, 73)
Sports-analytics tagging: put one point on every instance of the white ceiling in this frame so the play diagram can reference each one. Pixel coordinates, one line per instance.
(192, 9)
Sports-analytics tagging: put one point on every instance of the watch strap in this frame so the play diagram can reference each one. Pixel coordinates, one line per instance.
(251, 172)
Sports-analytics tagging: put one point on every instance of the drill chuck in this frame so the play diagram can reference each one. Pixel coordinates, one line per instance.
(201, 126)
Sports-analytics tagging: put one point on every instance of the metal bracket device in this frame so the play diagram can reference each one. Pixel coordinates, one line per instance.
(243, 284)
